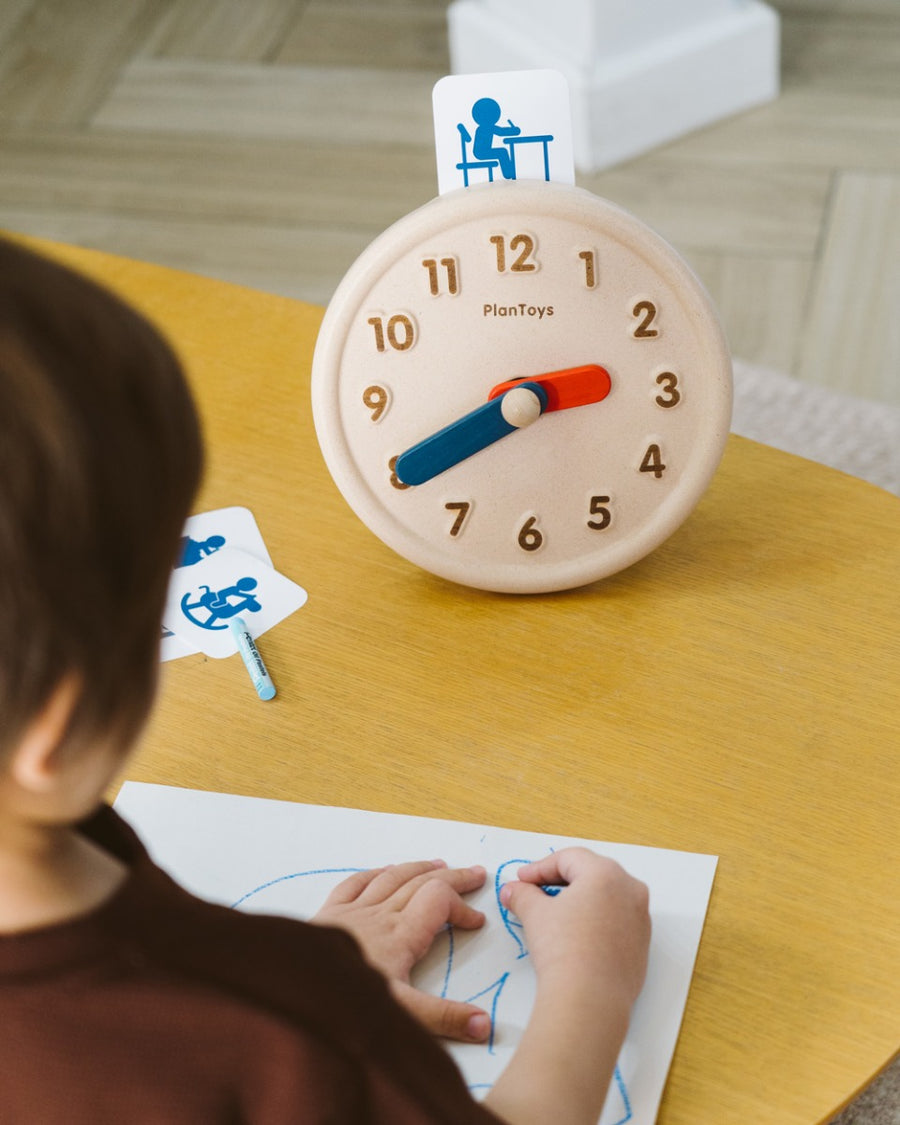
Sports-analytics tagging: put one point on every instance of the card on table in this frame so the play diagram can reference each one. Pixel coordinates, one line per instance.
(204, 535)
(208, 532)
(230, 583)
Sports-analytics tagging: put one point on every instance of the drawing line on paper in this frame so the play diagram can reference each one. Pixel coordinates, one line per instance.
(496, 988)
(297, 875)
(512, 925)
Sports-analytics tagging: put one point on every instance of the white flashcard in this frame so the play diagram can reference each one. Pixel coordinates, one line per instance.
(208, 532)
(204, 597)
(172, 647)
(512, 125)
(204, 534)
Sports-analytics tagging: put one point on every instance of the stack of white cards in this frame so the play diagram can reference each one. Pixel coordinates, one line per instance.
(223, 571)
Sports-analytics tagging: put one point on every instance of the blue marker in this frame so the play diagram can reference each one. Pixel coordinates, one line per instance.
(253, 662)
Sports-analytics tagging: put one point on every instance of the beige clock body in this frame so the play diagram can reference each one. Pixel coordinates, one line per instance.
(509, 281)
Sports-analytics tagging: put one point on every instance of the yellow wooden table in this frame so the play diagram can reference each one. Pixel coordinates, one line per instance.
(734, 693)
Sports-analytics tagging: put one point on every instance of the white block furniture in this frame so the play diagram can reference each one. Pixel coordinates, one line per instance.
(640, 72)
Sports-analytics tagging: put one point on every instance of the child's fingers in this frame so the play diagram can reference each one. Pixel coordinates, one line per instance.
(522, 899)
(403, 880)
(349, 889)
(450, 1019)
(436, 904)
(463, 880)
(560, 867)
(387, 881)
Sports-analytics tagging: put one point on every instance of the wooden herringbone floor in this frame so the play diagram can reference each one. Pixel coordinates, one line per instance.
(267, 141)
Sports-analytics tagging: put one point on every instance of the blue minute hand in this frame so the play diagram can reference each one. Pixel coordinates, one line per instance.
(518, 407)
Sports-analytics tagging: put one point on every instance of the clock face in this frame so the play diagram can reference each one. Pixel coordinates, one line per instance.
(522, 388)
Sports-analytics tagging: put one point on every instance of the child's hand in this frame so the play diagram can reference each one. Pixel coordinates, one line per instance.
(589, 946)
(395, 913)
(595, 931)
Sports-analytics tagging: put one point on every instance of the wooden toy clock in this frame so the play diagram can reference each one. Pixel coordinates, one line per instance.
(521, 388)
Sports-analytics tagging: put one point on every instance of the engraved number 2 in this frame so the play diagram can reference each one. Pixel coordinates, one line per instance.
(646, 312)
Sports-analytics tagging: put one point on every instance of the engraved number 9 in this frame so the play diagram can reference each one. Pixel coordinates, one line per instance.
(376, 399)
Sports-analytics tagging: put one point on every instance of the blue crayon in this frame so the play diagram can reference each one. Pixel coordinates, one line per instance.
(253, 662)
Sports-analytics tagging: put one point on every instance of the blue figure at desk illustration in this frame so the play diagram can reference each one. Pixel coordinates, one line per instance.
(454, 971)
(212, 609)
(486, 115)
(486, 153)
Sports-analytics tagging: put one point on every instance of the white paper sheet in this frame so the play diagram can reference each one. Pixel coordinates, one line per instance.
(283, 858)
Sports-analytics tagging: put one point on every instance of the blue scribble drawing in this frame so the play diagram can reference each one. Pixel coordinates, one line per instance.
(296, 875)
(489, 995)
(488, 155)
(512, 924)
(626, 1101)
(191, 551)
(492, 990)
(212, 609)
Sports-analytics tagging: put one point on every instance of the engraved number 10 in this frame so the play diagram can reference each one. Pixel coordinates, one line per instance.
(400, 333)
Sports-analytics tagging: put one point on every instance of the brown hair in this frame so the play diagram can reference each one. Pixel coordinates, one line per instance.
(100, 458)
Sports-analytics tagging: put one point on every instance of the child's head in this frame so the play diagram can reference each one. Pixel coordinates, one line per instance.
(100, 458)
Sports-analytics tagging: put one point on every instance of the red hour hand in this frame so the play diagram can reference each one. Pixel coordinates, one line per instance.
(573, 386)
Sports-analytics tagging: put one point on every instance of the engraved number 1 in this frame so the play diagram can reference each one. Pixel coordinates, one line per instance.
(590, 267)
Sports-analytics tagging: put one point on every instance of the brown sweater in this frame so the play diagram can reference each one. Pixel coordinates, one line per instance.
(161, 1008)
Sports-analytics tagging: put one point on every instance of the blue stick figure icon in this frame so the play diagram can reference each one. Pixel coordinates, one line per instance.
(486, 114)
(213, 608)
